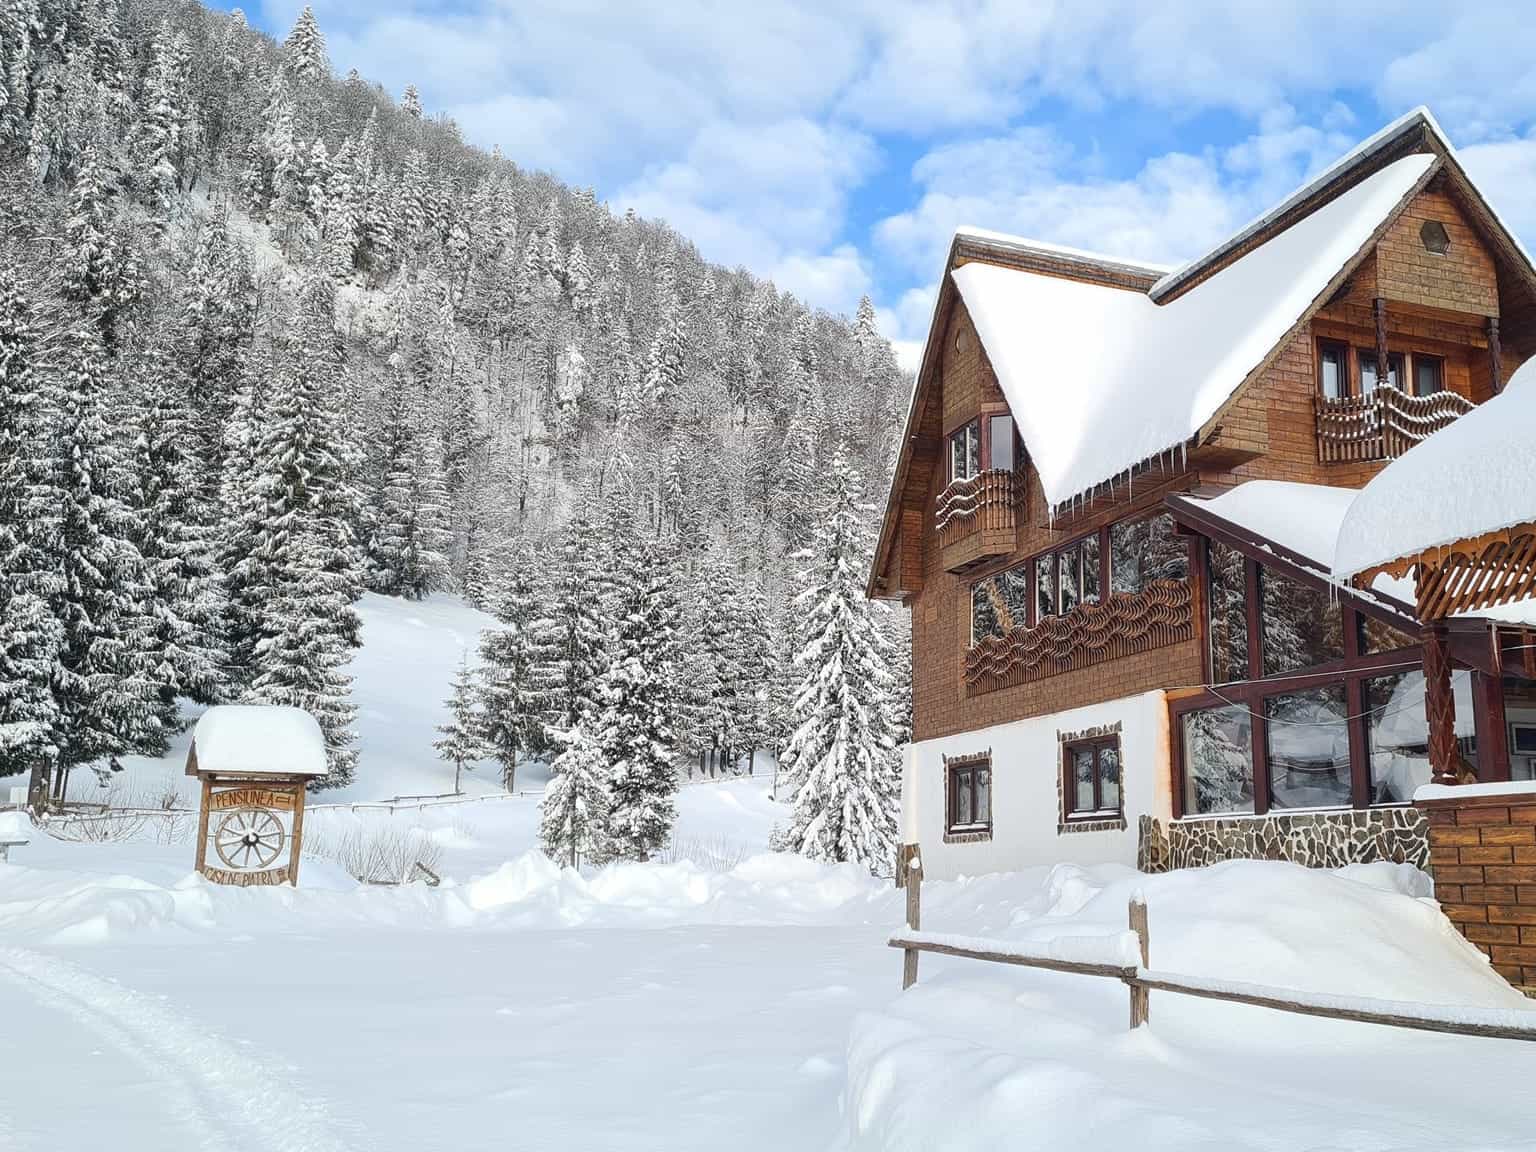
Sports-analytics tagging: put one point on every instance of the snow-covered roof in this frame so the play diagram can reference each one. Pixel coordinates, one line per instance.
(258, 740)
(1006, 241)
(1474, 476)
(1309, 519)
(1102, 378)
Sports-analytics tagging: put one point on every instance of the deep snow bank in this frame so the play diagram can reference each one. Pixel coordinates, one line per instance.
(1043, 1060)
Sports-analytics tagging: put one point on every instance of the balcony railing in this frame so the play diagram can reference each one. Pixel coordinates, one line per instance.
(1383, 424)
(1122, 624)
(977, 519)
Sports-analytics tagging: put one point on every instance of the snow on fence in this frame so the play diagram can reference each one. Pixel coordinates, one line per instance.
(1117, 957)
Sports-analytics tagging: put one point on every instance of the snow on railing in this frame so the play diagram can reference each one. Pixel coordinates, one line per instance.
(1383, 424)
(1125, 956)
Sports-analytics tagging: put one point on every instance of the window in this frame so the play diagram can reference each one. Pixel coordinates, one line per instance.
(1333, 371)
(1397, 736)
(1045, 586)
(1229, 614)
(1002, 443)
(1067, 577)
(1428, 375)
(969, 805)
(1144, 550)
(1091, 779)
(1375, 636)
(1368, 371)
(1307, 746)
(1434, 237)
(999, 603)
(1302, 626)
(965, 451)
(1218, 760)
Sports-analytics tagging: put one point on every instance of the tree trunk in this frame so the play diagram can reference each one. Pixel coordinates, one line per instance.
(458, 769)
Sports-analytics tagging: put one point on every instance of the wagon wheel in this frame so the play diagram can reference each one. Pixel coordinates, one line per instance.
(248, 837)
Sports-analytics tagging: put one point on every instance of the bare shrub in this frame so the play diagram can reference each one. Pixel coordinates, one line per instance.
(376, 852)
(99, 828)
(712, 853)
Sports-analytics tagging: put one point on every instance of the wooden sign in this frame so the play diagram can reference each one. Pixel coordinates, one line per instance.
(247, 879)
(252, 798)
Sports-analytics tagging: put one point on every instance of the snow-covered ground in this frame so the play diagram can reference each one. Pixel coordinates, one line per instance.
(709, 1002)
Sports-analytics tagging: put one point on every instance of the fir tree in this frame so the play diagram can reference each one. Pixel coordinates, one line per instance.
(840, 758)
(304, 50)
(635, 702)
(30, 634)
(567, 635)
(462, 737)
(513, 724)
(574, 811)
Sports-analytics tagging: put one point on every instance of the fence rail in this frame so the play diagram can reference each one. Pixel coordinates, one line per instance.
(1383, 424)
(1113, 957)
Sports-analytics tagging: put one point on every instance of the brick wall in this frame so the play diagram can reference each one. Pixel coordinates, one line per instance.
(1482, 854)
(1462, 279)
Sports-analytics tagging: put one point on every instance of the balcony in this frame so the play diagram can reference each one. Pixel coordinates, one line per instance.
(1123, 624)
(1381, 425)
(977, 519)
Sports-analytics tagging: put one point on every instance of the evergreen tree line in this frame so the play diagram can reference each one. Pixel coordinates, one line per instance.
(269, 338)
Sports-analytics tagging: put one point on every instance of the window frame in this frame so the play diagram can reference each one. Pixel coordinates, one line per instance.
(954, 768)
(1354, 357)
(1070, 814)
(1403, 367)
(969, 428)
(1345, 374)
(1438, 362)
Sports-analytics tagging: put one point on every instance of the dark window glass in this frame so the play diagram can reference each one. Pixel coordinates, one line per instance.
(1368, 372)
(1069, 562)
(1520, 714)
(1378, 637)
(1229, 615)
(1000, 433)
(1218, 760)
(1144, 550)
(1334, 371)
(1302, 627)
(1428, 375)
(970, 796)
(999, 603)
(1397, 736)
(1092, 786)
(1090, 583)
(965, 451)
(1045, 586)
(1307, 742)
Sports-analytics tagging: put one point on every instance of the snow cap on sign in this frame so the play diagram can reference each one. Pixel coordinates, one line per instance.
(259, 740)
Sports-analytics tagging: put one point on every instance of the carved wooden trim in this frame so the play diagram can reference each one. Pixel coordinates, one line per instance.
(1382, 425)
(1470, 575)
(1123, 624)
(984, 502)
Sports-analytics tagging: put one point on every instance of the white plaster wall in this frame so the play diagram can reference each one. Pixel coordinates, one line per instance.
(1025, 805)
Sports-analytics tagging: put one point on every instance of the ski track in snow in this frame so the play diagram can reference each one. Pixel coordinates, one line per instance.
(221, 1099)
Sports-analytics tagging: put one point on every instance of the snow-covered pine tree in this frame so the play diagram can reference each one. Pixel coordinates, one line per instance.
(408, 553)
(633, 727)
(567, 633)
(31, 636)
(304, 569)
(513, 721)
(573, 815)
(175, 534)
(100, 270)
(304, 51)
(107, 685)
(463, 739)
(840, 758)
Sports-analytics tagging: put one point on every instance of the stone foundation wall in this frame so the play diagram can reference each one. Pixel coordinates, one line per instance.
(1313, 839)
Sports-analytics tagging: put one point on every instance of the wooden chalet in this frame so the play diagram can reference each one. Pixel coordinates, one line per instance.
(1115, 516)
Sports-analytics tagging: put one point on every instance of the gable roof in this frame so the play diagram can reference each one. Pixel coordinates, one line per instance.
(1099, 379)
(1080, 394)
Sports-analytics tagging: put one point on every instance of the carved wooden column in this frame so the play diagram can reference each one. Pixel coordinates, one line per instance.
(1495, 355)
(1440, 705)
(1383, 368)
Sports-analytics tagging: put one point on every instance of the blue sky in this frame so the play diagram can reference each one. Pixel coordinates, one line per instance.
(835, 147)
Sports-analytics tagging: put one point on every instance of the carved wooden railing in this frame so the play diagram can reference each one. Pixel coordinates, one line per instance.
(976, 519)
(1383, 424)
(1126, 623)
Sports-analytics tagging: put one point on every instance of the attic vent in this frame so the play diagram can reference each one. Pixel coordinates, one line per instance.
(1435, 237)
(960, 341)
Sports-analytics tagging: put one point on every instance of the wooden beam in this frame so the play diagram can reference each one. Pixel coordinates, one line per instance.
(1495, 355)
(1383, 364)
(1440, 706)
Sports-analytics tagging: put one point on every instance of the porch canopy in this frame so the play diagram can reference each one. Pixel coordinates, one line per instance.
(1457, 512)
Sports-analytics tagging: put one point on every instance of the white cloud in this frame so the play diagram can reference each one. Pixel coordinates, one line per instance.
(1506, 173)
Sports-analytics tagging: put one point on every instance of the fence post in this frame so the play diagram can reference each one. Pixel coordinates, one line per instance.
(914, 919)
(1140, 996)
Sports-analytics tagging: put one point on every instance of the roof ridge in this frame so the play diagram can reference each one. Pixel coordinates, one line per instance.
(1367, 149)
(1010, 242)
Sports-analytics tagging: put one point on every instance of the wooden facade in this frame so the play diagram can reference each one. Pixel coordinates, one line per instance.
(1462, 318)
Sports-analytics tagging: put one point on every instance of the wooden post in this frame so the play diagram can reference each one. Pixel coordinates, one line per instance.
(914, 919)
(298, 834)
(202, 827)
(1383, 365)
(1140, 997)
(1440, 705)
(1495, 355)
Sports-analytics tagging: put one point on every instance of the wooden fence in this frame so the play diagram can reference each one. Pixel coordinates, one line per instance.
(1127, 958)
(1382, 424)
